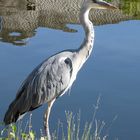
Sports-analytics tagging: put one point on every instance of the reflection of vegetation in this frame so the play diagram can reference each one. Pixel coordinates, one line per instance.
(24, 18)
(131, 7)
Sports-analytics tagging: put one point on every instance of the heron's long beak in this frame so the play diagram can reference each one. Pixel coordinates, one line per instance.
(100, 4)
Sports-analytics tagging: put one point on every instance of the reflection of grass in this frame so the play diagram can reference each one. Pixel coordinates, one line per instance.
(92, 130)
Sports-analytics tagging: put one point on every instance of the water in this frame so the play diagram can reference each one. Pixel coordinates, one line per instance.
(112, 71)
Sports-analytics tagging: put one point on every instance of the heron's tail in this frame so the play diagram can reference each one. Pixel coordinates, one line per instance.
(13, 113)
(17, 110)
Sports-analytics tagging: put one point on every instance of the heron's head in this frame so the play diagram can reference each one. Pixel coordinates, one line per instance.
(98, 4)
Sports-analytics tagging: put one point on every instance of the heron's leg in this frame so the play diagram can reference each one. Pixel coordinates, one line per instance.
(46, 118)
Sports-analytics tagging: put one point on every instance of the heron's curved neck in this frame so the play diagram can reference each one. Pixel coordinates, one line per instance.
(85, 49)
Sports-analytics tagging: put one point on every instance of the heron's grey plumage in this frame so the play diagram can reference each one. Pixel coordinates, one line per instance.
(49, 80)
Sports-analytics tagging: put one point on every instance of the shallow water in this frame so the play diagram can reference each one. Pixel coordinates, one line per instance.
(112, 71)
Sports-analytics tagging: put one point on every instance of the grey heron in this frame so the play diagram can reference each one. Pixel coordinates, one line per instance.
(54, 76)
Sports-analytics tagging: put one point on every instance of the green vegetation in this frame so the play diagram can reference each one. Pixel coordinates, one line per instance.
(13, 132)
(72, 132)
(92, 130)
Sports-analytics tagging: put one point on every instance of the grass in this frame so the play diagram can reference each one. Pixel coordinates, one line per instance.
(92, 130)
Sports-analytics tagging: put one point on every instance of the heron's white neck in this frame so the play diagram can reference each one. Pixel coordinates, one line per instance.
(85, 50)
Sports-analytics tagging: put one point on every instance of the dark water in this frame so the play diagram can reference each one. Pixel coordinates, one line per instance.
(112, 71)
